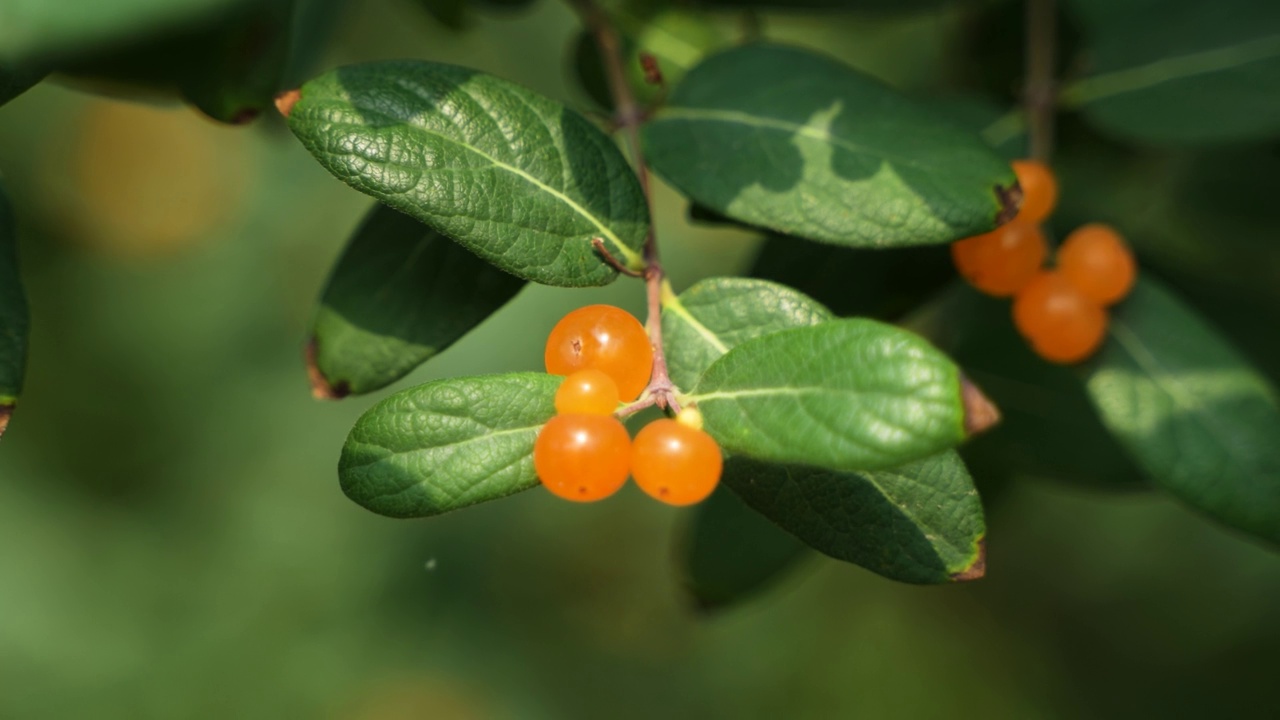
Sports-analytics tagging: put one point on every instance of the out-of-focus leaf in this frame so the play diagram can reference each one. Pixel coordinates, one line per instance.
(43, 29)
(14, 319)
(518, 178)
(843, 395)
(400, 294)
(796, 142)
(732, 552)
(713, 316)
(1195, 416)
(1046, 416)
(918, 523)
(1181, 71)
(447, 444)
(15, 80)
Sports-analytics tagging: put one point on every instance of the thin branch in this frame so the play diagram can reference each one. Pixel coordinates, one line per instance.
(628, 116)
(598, 244)
(1040, 87)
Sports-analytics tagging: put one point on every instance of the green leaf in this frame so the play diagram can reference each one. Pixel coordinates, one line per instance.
(522, 181)
(731, 552)
(918, 523)
(39, 29)
(843, 395)
(16, 80)
(400, 294)
(14, 316)
(796, 142)
(716, 314)
(1181, 71)
(447, 444)
(1191, 411)
(244, 62)
(1047, 416)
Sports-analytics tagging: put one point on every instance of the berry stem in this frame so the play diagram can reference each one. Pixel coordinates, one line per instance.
(1040, 89)
(628, 116)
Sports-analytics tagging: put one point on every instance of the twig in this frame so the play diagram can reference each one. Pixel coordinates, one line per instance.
(628, 116)
(1039, 89)
(598, 244)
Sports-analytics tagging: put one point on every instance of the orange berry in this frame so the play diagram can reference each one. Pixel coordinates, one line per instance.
(582, 457)
(1062, 324)
(1000, 262)
(606, 338)
(1096, 260)
(1039, 190)
(675, 463)
(587, 392)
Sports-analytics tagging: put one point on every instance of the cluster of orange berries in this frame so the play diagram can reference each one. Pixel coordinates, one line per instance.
(1061, 311)
(584, 453)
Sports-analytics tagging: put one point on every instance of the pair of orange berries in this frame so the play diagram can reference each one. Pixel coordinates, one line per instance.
(1060, 311)
(584, 453)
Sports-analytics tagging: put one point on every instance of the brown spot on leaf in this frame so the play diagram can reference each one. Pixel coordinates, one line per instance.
(977, 568)
(980, 413)
(1010, 200)
(287, 99)
(6, 412)
(321, 389)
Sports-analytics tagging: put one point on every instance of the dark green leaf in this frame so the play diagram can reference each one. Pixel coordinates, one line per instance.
(14, 320)
(450, 13)
(716, 314)
(447, 444)
(39, 29)
(400, 294)
(16, 80)
(1181, 71)
(796, 142)
(844, 395)
(865, 6)
(731, 552)
(1195, 416)
(856, 281)
(243, 63)
(516, 177)
(918, 523)
(1047, 416)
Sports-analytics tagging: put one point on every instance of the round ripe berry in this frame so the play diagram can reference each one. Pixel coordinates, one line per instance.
(675, 463)
(1096, 260)
(1039, 190)
(582, 457)
(587, 392)
(606, 338)
(1060, 322)
(1000, 262)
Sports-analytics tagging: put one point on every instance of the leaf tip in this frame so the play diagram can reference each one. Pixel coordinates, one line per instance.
(977, 568)
(1010, 200)
(321, 388)
(286, 100)
(6, 412)
(980, 414)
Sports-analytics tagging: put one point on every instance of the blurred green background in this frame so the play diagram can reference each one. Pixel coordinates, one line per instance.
(174, 543)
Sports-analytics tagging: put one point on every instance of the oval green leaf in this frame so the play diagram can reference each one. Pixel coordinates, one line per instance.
(400, 294)
(1181, 72)
(843, 395)
(519, 179)
(796, 142)
(707, 320)
(14, 316)
(918, 523)
(447, 444)
(731, 552)
(1191, 411)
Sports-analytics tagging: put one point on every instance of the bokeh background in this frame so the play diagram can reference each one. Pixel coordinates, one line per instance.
(174, 543)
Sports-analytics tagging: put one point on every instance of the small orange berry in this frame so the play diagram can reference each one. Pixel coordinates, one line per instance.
(1039, 190)
(582, 457)
(606, 338)
(1000, 262)
(1061, 323)
(587, 392)
(675, 463)
(1096, 260)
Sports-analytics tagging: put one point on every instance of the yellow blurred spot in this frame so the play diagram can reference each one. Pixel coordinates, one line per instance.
(150, 181)
(416, 699)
